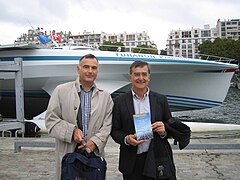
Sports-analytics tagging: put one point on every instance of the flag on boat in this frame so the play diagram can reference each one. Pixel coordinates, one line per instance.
(43, 39)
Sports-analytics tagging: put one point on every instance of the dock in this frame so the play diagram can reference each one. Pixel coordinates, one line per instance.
(208, 159)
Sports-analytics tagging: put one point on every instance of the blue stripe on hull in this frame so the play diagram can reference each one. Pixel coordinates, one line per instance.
(28, 93)
(187, 103)
(175, 102)
(104, 58)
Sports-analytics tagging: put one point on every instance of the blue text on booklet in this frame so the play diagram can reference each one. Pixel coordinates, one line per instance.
(142, 123)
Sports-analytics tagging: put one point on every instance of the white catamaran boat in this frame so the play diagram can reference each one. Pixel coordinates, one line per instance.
(188, 83)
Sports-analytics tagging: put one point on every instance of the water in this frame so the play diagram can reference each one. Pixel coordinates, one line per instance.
(227, 113)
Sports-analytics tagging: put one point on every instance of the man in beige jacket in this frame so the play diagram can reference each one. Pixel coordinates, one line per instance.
(80, 112)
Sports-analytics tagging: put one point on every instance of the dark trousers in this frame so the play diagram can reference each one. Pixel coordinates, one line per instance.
(138, 169)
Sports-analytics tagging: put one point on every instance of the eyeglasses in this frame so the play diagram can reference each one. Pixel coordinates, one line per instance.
(138, 74)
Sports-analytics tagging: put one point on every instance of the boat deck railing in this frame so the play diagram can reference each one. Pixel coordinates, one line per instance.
(217, 58)
(119, 48)
(198, 56)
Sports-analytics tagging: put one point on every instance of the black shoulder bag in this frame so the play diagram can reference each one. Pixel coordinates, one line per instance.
(81, 165)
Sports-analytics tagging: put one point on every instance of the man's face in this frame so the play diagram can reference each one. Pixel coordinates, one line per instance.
(88, 70)
(140, 78)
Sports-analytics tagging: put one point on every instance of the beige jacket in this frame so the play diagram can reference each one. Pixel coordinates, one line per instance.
(61, 119)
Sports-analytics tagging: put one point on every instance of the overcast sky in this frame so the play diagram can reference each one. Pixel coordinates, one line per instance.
(156, 17)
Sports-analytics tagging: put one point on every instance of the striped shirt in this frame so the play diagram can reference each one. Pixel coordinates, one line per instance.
(85, 99)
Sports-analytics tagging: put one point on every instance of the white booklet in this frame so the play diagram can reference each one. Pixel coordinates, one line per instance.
(142, 123)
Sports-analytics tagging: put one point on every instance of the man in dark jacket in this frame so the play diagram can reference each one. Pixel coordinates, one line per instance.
(142, 159)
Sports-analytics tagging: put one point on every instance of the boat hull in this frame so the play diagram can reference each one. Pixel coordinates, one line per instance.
(189, 84)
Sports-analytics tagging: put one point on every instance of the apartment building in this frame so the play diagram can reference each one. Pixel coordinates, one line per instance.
(89, 38)
(130, 40)
(31, 37)
(229, 29)
(184, 43)
(28, 37)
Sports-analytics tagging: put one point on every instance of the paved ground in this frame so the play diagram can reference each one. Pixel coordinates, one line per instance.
(33, 163)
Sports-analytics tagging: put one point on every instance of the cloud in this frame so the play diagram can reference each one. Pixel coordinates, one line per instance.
(155, 17)
(37, 11)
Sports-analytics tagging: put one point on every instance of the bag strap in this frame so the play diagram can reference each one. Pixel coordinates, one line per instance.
(94, 162)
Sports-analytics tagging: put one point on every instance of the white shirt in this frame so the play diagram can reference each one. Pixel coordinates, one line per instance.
(142, 106)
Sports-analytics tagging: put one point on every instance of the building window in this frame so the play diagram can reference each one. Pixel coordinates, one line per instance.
(184, 54)
(130, 37)
(177, 53)
(186, 34)
(206, 33)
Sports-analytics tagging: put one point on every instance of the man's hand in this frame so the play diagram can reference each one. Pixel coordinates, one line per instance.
(159, 127)
(90, 146)
(77, 135)
(131, 139)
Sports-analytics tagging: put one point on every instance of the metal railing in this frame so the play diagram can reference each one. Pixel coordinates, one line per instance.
(217, 58)
(119, 48)
(15, 67)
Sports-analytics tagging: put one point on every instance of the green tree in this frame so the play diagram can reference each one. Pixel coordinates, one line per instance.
(228, 48)
(145, 49)
(112, 46)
